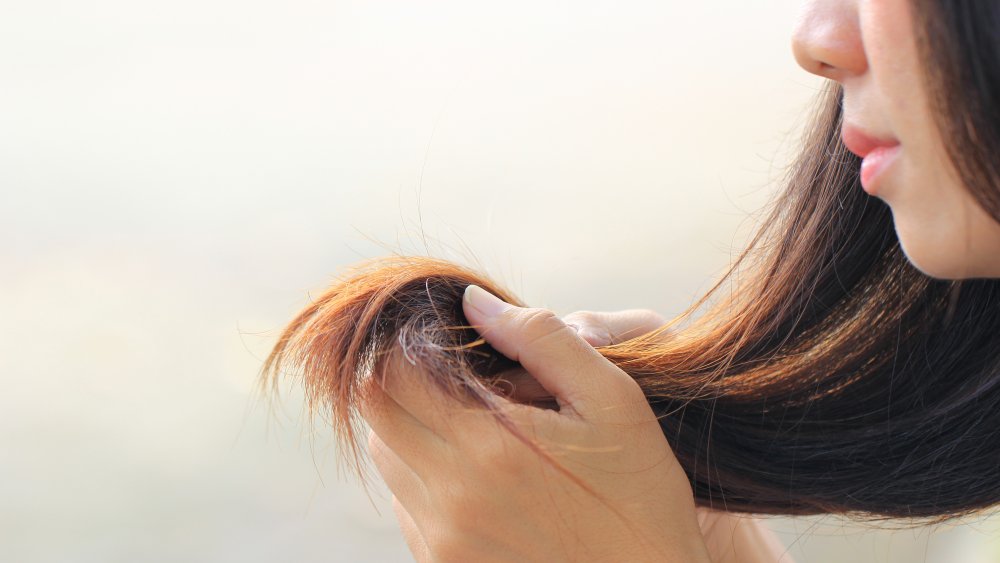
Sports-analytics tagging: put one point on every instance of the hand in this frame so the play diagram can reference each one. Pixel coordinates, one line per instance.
(730, 538)
(467, 489)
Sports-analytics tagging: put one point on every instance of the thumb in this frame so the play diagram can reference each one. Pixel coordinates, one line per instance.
(564, 364)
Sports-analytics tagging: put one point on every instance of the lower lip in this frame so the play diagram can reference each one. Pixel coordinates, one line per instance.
(874, 165)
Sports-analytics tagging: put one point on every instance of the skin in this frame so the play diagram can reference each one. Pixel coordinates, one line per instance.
(869, 48)
(728, 538)
(465, 490)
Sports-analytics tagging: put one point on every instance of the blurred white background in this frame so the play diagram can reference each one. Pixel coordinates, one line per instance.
(175, 178)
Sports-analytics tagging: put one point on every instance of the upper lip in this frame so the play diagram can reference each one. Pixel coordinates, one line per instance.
(861, 143)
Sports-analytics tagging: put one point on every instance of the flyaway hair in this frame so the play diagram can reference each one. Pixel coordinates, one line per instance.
(827, 375)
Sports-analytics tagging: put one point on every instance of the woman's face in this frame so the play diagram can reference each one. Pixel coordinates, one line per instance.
(868, 47)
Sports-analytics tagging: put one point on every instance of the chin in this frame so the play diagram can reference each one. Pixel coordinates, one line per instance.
(948, 259)
(946, 254)
(937, 257)
(938, 269)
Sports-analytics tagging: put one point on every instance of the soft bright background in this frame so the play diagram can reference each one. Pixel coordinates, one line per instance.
(175, 178)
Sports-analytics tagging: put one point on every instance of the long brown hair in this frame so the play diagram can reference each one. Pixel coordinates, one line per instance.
(830, 377)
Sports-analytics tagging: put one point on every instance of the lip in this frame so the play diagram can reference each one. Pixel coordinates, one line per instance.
(878, 153)
(874, 166)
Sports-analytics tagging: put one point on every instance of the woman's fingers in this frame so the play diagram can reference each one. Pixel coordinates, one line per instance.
(424, 425)
(396, 428)
(598, 329)
(408, 493)
(525, 389)
(580, 379)
(404, 483)
(603, 329)
(411, 533)
(413, 391)
(558, 367)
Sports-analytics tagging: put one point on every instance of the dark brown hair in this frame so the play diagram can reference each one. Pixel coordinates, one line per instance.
(833, 377)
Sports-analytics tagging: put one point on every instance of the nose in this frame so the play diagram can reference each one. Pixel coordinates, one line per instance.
(827, 39)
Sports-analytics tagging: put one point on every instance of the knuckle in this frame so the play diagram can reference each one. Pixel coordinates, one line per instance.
(538, 324)
(592, 327)
(631, 323)
(539, 316)
(582, 319)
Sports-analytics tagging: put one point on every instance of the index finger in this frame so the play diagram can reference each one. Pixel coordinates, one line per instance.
(583, 382)
(414, 389)
(454, 420)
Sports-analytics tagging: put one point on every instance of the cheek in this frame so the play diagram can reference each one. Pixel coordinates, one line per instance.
(940, 226)
(891, 51)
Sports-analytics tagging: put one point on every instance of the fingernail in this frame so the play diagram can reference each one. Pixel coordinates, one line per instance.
(484, 301)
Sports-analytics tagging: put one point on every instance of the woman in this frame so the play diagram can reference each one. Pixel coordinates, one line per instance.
(832, 306)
